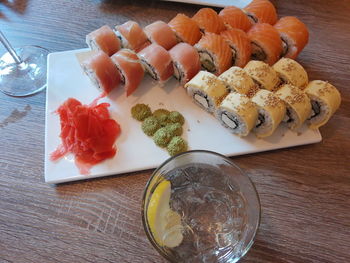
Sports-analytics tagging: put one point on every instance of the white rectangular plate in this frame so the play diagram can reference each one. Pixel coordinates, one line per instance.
(136, 151)
(219, 3)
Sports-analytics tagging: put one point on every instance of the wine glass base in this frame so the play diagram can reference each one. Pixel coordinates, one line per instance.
(26, 78)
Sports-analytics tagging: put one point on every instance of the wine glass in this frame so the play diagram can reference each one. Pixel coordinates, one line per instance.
(23, 69)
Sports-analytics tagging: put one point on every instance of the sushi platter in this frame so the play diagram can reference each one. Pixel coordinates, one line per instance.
(136, 151)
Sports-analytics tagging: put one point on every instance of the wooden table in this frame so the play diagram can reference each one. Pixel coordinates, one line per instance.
(304, 191)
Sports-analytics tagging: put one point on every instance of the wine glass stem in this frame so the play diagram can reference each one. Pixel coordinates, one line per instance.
(9, 48)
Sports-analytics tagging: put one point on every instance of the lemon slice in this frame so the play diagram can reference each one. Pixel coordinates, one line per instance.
(165, 224)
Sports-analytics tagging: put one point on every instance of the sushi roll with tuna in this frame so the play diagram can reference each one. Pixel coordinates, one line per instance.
(291, 72)
(132, 36)
(271, 112)
(206, 90)
(103, 39)
(325, 100)
(237, 113)
(263, 75)
(161, 33)
(298, 106)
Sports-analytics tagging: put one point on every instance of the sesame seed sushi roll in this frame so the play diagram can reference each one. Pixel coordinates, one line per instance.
(325, 100)
(261, 11)
(266, 43)
(101, 71)
(209, 21)
(239, 43)
(130, 69)
(271, 112)
(298, 106)
(186, 62)
(132, 36)
(214, 52)
(294, 35)
(291, 72)
(157, 62)
(237, 80)
(186, 29)
(263, 75)
(103, 39)
(161, 34)
(206, 90)
(237, 113)
(234, 17)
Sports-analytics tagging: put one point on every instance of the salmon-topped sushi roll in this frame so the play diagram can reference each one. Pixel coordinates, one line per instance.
(157, 62)
(132, 36)
(234, 17)
(294, 35)
(186, 29)
(103, 39)
(130, 69)
(186, 62)
(266, 43)
(261, 11)
(215, 54)
(161, 34)
(240, 45)
(101, 71)
(209, 21)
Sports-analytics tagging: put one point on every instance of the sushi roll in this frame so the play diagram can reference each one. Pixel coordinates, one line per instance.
(298, 106)
(132, 36)
(237, 113)
(263, 75)
(186, 29)
(130, 69)
(261, 11)
(266, 43)
(234, 17)
(294, 35)
(157, 62)
(325, 100)
(291, 72)
(186, 62)
(161, 34)
(209, 21)
(206, 90)
(271, 112)
(101, 71)
(237, 80)
(240, 46)
(103, 39)
(214, 52)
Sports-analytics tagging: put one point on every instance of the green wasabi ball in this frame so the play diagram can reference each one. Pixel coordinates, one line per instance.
(162, 115)
(141, 112)
(176, 116)
(162, 137)
(150, 125)
(176, 145)
(174, 128)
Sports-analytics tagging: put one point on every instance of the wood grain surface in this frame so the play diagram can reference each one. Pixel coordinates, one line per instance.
(304, 191)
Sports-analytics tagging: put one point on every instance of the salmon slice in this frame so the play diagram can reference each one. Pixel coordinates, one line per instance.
(103, 39)
(266, 43)
(130, 68)
(240, 45)
(101, 71)
(186, 62)
(215, 54)
(261, 11)
(234, 17)
(132, 36)
(209, 21)
(294, 35)
(186, 29)
(161, 34)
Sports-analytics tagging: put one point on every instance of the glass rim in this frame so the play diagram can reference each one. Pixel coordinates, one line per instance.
(155, 172)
